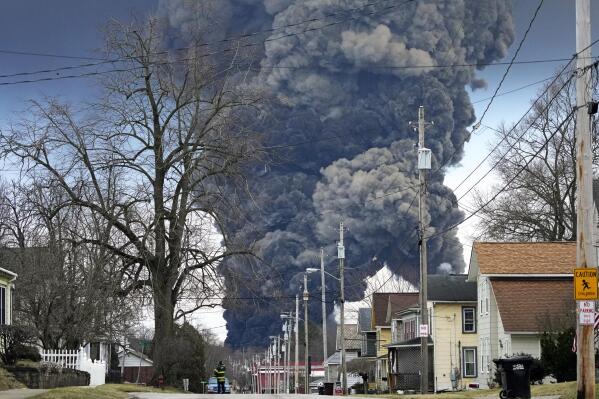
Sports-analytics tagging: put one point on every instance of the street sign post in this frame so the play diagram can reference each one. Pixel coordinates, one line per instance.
(585, 284)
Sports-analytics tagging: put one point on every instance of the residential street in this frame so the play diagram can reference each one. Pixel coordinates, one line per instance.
(150, 395)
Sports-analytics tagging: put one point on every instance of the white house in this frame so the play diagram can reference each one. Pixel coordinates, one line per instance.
(521, 287)
(7, 286)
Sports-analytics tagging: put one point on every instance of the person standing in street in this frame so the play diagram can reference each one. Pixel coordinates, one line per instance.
(219, 373)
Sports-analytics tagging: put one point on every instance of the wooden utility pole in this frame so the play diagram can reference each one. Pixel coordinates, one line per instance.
(324, 312)
(341, 256)
(296, 327)
(585, 256)
(424, 164)
(306, 365)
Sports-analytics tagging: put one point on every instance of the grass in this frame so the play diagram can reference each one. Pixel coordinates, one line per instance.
(566, 390)
(108, 391)
(8, 381)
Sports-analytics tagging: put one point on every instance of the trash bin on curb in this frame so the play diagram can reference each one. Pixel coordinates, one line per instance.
(320, 390)
(329, 388)
(515, 376)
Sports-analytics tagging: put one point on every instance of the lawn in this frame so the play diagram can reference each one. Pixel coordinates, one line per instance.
(7, 381)
(108, 391)
(567, 390)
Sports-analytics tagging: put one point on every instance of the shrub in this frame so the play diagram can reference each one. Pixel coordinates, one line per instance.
(185, 358)
(26, 352)
(557, 356)
(13, 343)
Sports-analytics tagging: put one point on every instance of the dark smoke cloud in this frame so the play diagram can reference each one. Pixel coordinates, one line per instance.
(347, 93)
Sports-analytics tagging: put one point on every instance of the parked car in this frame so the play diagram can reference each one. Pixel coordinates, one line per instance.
(212, 386)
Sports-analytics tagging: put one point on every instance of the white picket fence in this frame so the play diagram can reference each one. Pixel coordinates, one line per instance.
(77, 360)
(70, 359)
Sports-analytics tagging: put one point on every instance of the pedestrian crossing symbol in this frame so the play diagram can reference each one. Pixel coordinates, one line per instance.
(585, 284)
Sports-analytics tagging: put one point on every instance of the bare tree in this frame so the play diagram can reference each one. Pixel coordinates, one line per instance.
(154, 162)
(539, 203)
(67, 294)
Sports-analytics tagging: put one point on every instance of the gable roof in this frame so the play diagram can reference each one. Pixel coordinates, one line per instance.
(496, 258)
(399, 302)
(353, 339)
(451, 288)
(524, 304)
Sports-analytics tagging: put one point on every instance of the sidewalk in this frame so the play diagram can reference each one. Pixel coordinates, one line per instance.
(20, 393)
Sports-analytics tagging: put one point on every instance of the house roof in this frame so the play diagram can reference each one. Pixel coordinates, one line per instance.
(364, 319)
(353, 338)
(451, 288)
(493, 258)
(335, 358)
(399, 302)
(525, 304)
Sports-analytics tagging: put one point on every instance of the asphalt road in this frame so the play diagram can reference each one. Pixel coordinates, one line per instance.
(152, 395)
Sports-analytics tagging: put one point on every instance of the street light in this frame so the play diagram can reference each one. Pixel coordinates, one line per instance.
(288, 317)
(306, 366)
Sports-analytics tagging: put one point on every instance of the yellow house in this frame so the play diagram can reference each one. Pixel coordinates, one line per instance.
(452, 342)
(384, 304)
(7, 279)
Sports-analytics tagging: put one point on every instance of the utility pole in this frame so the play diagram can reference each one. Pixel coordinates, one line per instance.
(277, 369)
(296, 374)
(341, 256)
(585, 258)
(424, 164)
(324, 312)
(306, 366)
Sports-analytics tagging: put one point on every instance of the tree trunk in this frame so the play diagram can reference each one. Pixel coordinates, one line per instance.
(164, 326)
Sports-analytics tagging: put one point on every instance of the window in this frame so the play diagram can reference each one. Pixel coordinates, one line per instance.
(469, 366)
(468, 319)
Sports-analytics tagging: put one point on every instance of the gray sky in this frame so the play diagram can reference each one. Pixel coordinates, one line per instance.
(73, 28)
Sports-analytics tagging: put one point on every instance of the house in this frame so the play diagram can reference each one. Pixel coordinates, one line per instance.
(384, 304)
(135, 366)
(522, 288)
(7, 286)
(353, 343)
(452, 342)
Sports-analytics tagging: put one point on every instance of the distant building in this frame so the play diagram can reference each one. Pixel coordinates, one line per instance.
(135, 366)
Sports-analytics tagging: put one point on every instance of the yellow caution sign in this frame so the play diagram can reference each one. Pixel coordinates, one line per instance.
(585, 284)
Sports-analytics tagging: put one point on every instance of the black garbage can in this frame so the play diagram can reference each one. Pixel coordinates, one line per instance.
(320, 389)
(329, 388)
(515, 376)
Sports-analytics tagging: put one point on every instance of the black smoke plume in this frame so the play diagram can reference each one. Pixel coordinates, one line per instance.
(342, 145)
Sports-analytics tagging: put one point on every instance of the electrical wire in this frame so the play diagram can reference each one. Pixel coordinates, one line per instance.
(505, 187)
(507, 70)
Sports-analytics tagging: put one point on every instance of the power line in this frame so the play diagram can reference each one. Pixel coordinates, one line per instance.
(507, 70)
(505, 187)
(506, 135)
(199, 45)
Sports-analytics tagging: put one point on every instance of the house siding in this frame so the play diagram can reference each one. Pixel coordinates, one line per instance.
(448, 340)
(488, 333)
(383, 334)
(5, 282)
(529, 344)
